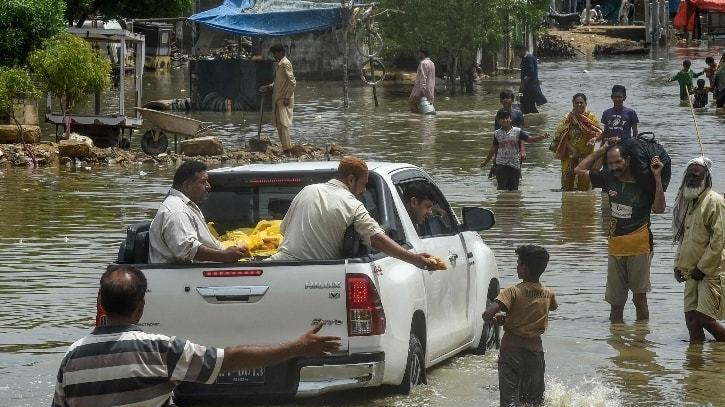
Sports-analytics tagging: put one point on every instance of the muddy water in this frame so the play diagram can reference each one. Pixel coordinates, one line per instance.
(60, 227)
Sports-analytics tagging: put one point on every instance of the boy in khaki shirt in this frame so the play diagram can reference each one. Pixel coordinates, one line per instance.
(521, 360)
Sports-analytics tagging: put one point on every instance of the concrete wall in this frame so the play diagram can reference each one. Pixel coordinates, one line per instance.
(314, 56)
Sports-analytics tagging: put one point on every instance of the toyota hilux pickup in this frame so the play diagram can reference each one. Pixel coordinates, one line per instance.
(395, 319)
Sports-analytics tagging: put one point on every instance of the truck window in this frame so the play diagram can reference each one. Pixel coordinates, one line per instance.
(441, 222)
(244, 207)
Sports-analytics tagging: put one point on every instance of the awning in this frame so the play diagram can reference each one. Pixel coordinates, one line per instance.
(271, 18)
(688, 11)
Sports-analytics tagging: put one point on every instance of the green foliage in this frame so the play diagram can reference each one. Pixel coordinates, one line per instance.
(441, 26)
(15, 86)
(69, 68)
(453, 30)
(79, 10)
(25, 24)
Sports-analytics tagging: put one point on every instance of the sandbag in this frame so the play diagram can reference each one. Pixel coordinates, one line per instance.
(641, 149)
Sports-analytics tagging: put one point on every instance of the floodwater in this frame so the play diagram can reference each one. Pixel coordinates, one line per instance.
(60, 227)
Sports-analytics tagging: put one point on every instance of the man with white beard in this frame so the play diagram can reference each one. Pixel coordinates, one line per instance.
(698, 225)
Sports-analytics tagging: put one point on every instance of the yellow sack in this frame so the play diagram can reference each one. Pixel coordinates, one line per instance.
(263, 240)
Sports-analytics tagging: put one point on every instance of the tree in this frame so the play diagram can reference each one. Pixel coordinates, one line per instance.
(454, 30)
(16, 87)
(70, 69)
(80, 10)
(25, 24)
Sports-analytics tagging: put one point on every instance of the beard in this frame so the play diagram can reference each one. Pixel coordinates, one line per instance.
(691, 193)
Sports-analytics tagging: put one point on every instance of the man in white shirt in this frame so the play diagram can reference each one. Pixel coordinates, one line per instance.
(425, 82)
(178, 233)
(315, 224)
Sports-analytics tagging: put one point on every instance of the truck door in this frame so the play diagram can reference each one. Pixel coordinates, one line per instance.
(447, 292)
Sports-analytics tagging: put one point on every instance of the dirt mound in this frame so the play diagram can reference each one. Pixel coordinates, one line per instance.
(585, 43)
(554, 46)
(46, 154)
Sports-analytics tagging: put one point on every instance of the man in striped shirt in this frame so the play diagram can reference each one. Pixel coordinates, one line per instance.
(119, 364)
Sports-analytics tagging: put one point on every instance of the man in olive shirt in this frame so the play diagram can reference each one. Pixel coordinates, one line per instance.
(698, 225)
(630, 239)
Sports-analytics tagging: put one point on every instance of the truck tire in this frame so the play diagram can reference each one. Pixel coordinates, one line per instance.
(490, 336)
(414, 367)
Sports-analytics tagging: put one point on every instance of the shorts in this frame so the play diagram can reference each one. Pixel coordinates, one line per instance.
(705, 296)
(507, 178)
(521, 377)
(627, 273)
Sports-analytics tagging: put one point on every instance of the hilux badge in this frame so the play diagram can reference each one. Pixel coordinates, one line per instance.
(322, 285)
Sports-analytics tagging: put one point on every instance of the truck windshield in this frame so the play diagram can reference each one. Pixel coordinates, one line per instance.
(244, 207)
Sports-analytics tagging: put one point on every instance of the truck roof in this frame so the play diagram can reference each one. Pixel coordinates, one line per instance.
(380, 167)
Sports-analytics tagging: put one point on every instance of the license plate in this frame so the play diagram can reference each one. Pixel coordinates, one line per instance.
(246, 376)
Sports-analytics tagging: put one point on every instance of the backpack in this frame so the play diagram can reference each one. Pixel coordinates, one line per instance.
(641, 149)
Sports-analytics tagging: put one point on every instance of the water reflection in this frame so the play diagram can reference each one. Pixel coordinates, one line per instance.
(705, 377)
(579, 214)
(635, 363)
(510, 212)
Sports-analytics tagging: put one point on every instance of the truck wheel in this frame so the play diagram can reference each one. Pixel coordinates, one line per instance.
(414, 368)
(490, 336)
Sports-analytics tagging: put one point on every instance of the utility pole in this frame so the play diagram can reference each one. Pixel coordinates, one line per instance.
(346, 14)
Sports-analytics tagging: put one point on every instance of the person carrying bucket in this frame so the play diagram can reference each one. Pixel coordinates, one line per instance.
(423, 93)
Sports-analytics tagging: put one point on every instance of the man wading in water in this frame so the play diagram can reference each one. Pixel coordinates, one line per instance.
(530, 87)
(630, 238)
(698, 225)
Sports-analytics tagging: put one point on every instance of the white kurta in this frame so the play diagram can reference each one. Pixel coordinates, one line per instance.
(315, 223)
(284, 88)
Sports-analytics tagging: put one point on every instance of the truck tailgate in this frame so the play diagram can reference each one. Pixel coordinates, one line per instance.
(268, 304)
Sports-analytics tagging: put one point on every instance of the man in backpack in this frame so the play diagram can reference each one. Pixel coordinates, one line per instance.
(630, 238)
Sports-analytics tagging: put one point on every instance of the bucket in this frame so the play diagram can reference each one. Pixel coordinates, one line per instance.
(425, 107)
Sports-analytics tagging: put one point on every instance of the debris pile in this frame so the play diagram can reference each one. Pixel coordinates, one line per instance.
(77, 153)
(552, 46)
(621, 48)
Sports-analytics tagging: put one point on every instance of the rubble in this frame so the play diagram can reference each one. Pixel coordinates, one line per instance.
(585, 42)
(624, 48)
(74, 149)
(49, 154)
(204, 146)
(553, 46)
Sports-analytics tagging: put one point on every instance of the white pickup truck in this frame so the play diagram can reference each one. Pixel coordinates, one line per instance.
(395, 320)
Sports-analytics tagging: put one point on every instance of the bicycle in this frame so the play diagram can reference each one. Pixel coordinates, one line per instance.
(369, 44)
(372, 71)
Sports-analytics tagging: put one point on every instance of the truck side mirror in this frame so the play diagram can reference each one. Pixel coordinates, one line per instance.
(478, 219)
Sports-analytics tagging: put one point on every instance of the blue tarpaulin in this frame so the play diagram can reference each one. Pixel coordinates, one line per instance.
(271, 18)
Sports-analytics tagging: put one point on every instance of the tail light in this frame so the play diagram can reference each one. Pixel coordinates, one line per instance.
(365, 314)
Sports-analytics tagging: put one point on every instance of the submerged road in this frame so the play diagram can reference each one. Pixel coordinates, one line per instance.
(60, 227)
